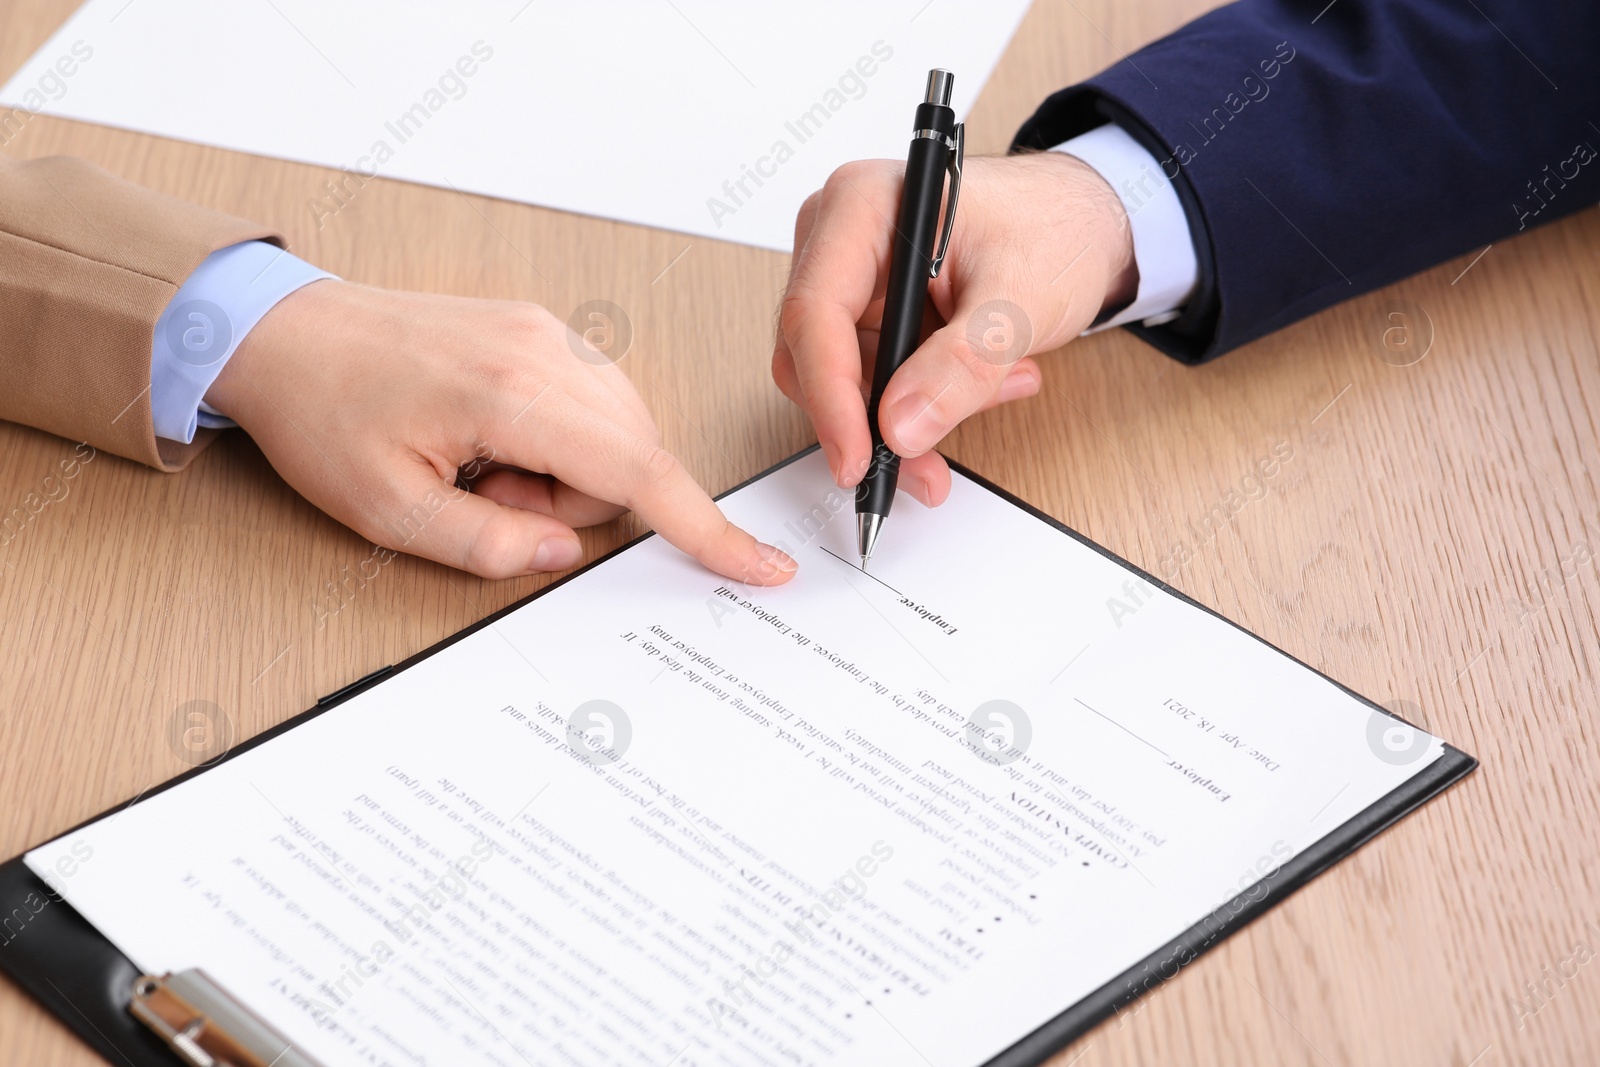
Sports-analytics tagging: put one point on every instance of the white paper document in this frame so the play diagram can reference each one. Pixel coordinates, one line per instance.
(710, 118)
(655, 817)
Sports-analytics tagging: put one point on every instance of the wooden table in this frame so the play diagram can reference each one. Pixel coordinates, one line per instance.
(1432, 539)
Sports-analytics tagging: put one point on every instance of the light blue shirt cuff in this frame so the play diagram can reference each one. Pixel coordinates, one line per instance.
(1163, 249)
(210, 314)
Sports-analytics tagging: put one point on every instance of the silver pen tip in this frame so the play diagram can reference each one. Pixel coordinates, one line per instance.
(867, 527)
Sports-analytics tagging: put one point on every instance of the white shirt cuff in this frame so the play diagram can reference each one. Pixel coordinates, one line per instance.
(209, 315)
(1163, 250)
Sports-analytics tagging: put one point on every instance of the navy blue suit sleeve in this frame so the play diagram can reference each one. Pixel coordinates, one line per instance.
(1320, 156)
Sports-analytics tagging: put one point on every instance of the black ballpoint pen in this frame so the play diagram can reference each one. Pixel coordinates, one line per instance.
(936, 148)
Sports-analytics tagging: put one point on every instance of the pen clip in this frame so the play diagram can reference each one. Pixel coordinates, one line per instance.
(957, 156)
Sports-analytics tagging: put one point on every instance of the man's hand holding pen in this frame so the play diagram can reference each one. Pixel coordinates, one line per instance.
(1043, 232)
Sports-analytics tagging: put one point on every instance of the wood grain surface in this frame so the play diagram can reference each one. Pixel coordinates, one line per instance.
(1431, 539)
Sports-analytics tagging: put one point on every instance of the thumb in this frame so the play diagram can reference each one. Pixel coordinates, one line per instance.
(972, 362)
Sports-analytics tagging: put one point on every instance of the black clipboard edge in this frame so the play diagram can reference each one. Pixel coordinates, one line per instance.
(70, 952)
(1165, 963)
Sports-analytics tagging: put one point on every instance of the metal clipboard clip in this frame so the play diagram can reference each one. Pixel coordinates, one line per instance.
(206, 1026)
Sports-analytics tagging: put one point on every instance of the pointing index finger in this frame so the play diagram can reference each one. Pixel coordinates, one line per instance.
(588, 451)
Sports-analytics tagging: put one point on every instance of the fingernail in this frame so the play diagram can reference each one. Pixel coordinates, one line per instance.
(777, 558)
(1018, 384)
(927, 497)
(916, 424)
(557, 554)
(857, 471)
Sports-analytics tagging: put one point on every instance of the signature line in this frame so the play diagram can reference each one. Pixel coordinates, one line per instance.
(858, 570)
(1123, 728)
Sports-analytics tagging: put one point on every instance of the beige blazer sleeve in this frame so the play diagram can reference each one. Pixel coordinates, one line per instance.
(88, 262)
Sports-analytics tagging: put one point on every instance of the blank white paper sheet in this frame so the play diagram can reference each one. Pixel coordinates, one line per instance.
(713, 119)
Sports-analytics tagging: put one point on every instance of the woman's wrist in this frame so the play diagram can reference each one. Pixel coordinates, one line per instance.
(236, 389)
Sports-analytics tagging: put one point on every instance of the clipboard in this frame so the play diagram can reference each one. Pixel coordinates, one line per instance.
(188, 1020)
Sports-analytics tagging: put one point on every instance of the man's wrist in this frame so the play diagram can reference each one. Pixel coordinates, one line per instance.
(1167, 269)
(1113, 235)
(1076, 204)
